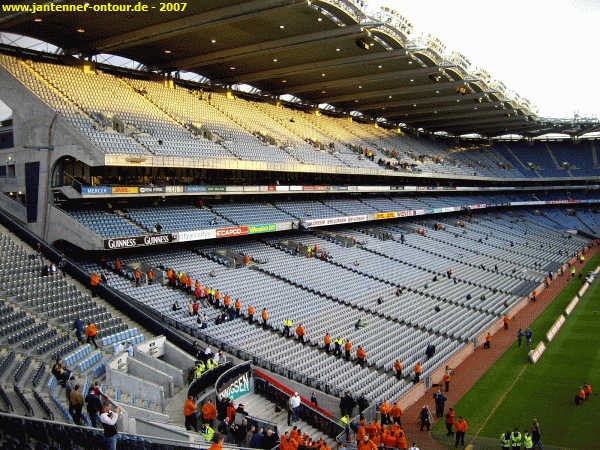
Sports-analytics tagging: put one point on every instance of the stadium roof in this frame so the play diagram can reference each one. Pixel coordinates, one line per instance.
(322, 51)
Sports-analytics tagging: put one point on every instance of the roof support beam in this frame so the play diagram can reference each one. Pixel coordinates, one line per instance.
(465, 117)
(415, 112)
(329, 84)
(192, 24)
(318, 65)
(287, 44)
(423, 101)
(424, 88)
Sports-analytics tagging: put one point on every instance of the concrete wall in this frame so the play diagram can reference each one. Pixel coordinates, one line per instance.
(135, 412)
(63, 226)
(452, 362)
(175, 373)
(136, 386)
(412, 396)
(176, 357)
(12, 207)
(147, 428)
(148, 373)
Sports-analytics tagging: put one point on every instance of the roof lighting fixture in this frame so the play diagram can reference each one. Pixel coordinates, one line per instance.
(435, 112)
(80, 30)
(168, 52)
(282, 27)
(275, 60)
(37, 19)
(323, 91)
(389, 96)
(213, 41)
(412, 80)
(414, 105)
(284, 81)
(380, 66)
(322, 74)
(475, 108)
(355, 101)
(437, 91)
(410, 62)
(338, 49)
(360, 86)
(232, 68)
(319, 19)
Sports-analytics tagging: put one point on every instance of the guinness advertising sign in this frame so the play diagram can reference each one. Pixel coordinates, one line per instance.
(138, 241)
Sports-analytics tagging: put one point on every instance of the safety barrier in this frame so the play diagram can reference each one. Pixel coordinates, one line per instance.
(535, 354)
(555, 327)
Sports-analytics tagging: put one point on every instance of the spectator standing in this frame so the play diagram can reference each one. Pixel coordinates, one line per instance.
(488, 342)
(447, 378)
(108, 419)
(76, 400)
(130, 349)
(257, 439)
(91, 333)
(417, 370)
(519, 336)
(313, 399)
(536, 434)
(295, 403)
(440, 401)
(398, 369)
(94, 405)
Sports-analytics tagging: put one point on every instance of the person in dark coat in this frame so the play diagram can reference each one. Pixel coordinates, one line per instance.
(94, 405)
(440, 401)
(424, 418)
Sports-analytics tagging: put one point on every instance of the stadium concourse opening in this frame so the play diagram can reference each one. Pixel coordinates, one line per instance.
(259, 224)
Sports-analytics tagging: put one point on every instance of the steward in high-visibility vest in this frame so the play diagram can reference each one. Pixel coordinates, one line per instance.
(515, 439)
(527, 440)
(200, 368)
(287, 324)
(505, 440)
(210, 364)
(207, 432)
(338, 347)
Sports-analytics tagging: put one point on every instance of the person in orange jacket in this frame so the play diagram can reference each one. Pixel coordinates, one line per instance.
(250, 314)
(389, 440)
(488, 342)
(91, 332)
(401, 441)
(446, 380)
(366, 444)
(449, 422)
(361, 355)
(398, 369)
(384, 411)
(361, 432)
(117, 265)
(300, 333)
(237, 305)
(417, 371)
(580, 397)
(396, 413)
(209, 412)
(460, 426)
(265, 316)
(587, 388)
(226, 301)
(506, 321)
(217, 442)
(150, 276)
(189, 412)
(189, 285)
(347, 349)
(138, 276)
(327, 342)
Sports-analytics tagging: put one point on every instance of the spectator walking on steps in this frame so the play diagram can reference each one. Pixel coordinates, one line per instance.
(398, 369)
(265, 316)
(76, 401)
(327, 342)
(91, 333)
(94, 406)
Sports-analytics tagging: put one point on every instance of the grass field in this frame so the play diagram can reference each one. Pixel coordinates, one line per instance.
(545, 390)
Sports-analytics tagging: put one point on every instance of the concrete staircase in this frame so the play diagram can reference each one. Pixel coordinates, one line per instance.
(262, 408)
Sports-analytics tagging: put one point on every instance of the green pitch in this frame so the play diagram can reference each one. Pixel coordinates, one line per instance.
(545, 390)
